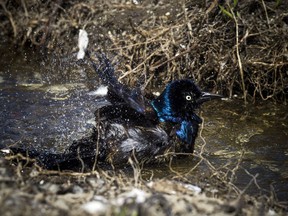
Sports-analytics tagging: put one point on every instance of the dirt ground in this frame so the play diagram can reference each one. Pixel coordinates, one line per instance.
(233, 49)
(32, 191)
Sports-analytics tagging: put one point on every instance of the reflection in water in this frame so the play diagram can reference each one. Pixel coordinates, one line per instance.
(252, 137)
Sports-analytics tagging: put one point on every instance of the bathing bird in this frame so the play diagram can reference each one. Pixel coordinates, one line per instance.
(132, 126)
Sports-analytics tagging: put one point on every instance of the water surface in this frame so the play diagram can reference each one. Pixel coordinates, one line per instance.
(49, 110)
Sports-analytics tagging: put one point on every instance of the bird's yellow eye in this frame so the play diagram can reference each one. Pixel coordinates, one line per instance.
(188, 97)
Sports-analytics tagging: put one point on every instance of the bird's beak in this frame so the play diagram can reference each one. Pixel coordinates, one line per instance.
(206, 96)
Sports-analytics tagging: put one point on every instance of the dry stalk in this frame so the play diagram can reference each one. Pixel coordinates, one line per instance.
(136, 169)
(238, 56)
(3, 4)
(81, 160)
(266, 14)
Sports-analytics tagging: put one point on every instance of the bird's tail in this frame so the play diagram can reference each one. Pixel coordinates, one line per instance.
(106, 72)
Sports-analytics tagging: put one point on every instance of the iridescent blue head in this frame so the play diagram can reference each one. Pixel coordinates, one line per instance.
(177, 104)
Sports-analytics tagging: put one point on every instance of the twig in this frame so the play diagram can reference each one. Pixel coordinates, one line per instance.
(25, 8)
(238, 56)
(80, 159)
(266, 14)
(173, 58)
(10, 18)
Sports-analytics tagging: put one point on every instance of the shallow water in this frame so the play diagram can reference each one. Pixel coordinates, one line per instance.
(253, 138)
(45, 114)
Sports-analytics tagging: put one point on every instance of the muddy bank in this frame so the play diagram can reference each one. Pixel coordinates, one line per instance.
(229, 47)
(32, 191)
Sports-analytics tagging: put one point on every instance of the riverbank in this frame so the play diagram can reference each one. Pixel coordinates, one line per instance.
(234, 48)
(26, 191)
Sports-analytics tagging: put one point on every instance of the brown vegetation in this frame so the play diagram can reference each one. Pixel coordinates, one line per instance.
(231, 49)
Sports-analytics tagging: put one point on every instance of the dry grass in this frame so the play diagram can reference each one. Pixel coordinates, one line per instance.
(238, 49)
(33, 189)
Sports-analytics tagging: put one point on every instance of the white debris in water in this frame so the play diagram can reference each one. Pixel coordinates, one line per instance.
(57, 89)
(59, 92)
(101, 91)
(31, 86)
(82, 43)
(1, 79)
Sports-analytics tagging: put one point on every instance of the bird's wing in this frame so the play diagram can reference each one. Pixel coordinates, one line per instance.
(116, 90)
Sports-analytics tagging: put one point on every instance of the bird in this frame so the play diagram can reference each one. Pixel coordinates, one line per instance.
(134, 126)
